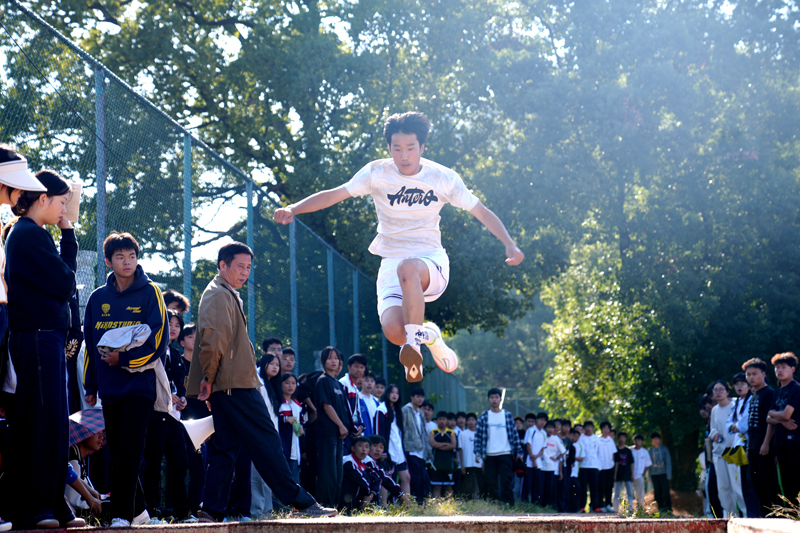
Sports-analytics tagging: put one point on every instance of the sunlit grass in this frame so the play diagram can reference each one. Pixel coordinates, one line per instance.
(452, 507)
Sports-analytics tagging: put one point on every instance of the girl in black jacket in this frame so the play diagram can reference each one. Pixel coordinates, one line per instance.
(41, 281)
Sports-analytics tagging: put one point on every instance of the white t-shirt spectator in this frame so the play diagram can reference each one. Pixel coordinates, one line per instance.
(606, 448)
(408, 206)
(396, 444)
(641, 460)
(579, 452)
(719, 417)
(590, 445)
(466, 441)
(497, 435)
(553, 447)
(292, 408)
(536, 438)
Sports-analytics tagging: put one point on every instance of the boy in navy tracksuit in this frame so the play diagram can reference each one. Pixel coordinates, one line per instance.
(128, 298)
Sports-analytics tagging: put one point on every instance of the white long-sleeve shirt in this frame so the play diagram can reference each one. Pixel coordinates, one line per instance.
(719, 426)
(606, 448)
(590, 445)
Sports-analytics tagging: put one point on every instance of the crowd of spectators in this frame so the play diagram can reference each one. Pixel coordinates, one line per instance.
(751, 456)
(314, 443)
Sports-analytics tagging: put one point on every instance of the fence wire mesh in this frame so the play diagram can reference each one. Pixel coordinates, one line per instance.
(144, 173)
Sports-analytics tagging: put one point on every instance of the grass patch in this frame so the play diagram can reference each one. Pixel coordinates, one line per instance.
(452, 507)
(790, 510)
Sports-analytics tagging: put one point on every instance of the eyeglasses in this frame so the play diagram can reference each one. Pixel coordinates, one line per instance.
(275, 350)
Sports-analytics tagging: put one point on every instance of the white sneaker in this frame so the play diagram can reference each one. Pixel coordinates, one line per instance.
(445, 358)
(141, 519)
(120, 522)
(5, 526)
(411, 359)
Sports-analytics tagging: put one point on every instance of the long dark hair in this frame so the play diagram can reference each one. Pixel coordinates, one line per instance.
(393, 410)
(273, 384)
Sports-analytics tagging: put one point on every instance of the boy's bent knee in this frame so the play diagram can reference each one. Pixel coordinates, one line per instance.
(410, 269)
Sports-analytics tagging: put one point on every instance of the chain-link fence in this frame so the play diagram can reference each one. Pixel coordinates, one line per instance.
(144, 173)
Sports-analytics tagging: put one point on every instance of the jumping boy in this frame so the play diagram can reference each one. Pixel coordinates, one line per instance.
(409, 192)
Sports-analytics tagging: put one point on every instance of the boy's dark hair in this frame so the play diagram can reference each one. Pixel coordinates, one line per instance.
(380, 381)
(576, 426)
(171, 296)
(357, 358)
(417, 391)
(188, 329)
(427, 403)
(325, 353)
(377, 439)
(410, 122)
(358, 440)
(655, 435)
(451, 416)
(787, 358)
(566, 422)
(120, 241)
(472, 415)
(755, 362)
(231, 250)
(621, 433)
(542, 415)
(171, 313)
(461, 414)
(550, 424)
(288, 351)
(588, 423)
(605, 423)
(495, 391)
(518, 418)
(574, 431)
(441, 414)
(613, 431)
(266, 343)
(530, 416)
(369, 375)
(638, 436)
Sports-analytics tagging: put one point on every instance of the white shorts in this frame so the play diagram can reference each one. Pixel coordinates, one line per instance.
(388, 284)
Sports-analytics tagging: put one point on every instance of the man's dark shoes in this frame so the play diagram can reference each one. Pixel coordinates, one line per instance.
(317, 511)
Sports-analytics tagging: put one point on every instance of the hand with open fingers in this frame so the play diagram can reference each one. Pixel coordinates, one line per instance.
(514, 255)
(284, 215)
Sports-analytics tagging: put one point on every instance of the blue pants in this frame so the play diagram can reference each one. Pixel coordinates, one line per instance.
(241, 420)
(39, 427)
(420, 482)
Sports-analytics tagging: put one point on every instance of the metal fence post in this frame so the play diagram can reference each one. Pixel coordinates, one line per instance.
(385, 360)
(355, 313)
(100, 155)
(187, 223)
(293, 290)
(251, 281)
(331, 307)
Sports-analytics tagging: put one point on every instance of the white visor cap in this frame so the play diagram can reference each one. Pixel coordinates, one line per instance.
(17, 175)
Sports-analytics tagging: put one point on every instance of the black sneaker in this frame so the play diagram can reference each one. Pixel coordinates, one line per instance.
(318, 511)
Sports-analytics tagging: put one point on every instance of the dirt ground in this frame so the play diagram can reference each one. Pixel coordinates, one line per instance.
(683, 503)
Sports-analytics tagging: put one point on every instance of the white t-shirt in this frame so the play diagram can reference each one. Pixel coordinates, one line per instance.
(497, 434)
(536, 438)
(408, 206)
(606, 448)
(590, 445)
(292, 408)
(554, 447)
(466, 441)
(430, 426)
(579, 452)
(641, 460)
(396, 444)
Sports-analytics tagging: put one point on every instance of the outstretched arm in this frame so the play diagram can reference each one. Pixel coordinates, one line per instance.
(495, 225)
(315, 202)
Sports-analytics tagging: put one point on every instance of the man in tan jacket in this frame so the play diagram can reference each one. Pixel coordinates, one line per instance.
(224, 373)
